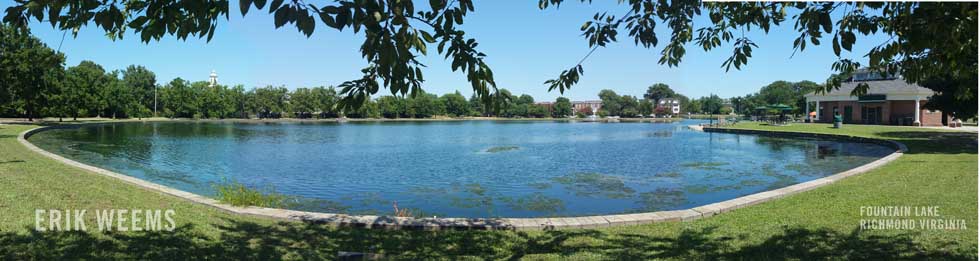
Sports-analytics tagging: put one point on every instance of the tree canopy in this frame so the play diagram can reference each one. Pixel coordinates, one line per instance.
(777, 92)
(658, 91)
(30, 72)
(929, 41)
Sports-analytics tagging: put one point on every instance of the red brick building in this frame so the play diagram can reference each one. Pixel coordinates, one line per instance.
(889, 100)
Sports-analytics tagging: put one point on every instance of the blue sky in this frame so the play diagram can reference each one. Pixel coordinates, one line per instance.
(525, 47)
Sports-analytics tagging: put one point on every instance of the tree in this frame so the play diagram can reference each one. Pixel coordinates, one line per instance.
(303, 102)
(694, 106)
(927, 40)
(389, 107)
(117, 98)
(802, 89)
(658, 91)
(29, 71)
(942, 44)
(326, 101)
(610, 102)
(562, 108)
(537, 111)
(711, 104)
(455, 104)
(238, 99)
(271, 101)
(80, 85)
(520, 107)
(426, 105)
(178, 98)
(524, 99)
(477, 107)
(645, 107)
(391, 43)
(778, 92)
(500, 103)
(367, 110)
(142, 82)
(630, 106)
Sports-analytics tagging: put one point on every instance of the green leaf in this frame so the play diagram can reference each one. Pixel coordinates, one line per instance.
(275, 5)
(244, 5)
(280, 17)
(437, 4)
(428, 37)
(53, 14)
(836, 46)
(138, 22)
(847, 40)
(328, 20)
(826, 22)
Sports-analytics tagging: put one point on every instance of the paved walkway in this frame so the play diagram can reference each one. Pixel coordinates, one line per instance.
(963, 129)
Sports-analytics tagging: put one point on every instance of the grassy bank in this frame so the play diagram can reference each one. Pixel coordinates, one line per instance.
(939, 170)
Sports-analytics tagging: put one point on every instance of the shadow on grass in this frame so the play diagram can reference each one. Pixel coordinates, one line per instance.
(239, 240)
(935, 142)
(12, 161)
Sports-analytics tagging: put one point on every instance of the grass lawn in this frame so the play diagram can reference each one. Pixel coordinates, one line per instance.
(939, 170)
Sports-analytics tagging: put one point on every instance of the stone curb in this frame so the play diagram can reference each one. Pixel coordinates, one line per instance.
(388, 222)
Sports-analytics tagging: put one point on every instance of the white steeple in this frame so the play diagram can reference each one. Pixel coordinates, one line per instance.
(214, 79)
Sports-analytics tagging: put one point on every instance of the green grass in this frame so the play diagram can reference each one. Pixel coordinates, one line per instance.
(939, 170)
(237, 194)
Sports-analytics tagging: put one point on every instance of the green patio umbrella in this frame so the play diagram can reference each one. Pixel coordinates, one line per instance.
(781, 107)
(762, 110)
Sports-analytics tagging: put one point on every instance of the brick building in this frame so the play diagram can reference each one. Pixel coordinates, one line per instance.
(889, 100)
(587, 107)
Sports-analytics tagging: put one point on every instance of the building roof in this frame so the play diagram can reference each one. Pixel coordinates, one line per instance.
(893, 87)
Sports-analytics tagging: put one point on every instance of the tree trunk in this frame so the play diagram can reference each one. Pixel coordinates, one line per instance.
(28, 107)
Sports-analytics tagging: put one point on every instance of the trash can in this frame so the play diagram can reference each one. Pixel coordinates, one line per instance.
(838, 121)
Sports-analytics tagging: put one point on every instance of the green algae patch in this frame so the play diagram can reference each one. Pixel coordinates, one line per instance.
(501, 149)
(593, 184)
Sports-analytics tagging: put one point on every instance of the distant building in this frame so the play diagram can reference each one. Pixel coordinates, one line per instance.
(547, 105)
(213, 80)
(587, 107)
(671, 105)
(889, 100)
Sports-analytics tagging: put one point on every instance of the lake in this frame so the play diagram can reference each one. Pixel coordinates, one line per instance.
(461, 168)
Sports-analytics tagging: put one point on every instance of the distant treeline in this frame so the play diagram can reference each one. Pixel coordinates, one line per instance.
(87, 90)
(34, 83)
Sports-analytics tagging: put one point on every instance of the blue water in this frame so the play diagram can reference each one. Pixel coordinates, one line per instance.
(462, 168)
